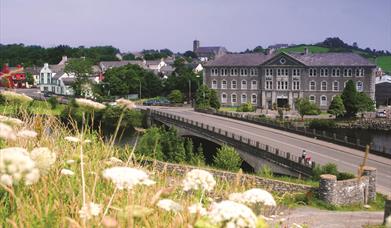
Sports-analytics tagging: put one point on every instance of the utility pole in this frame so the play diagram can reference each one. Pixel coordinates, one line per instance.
(189, 91)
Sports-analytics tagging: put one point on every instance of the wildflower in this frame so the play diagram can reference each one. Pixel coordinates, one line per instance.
(89, 103)
(44, 158)
(70, 161)
(388, 222)
(169, 205)
(198, 179)
(109, 222)
(126, 103)
(67, 172)
(254, 196)
(10, 120)
(87, 141)
(6, 132)
(16, 165)
(114, 160)
(89, 210)
(197, 208)
(232, 214)
(27, 134)
(72, 139)
(124, 177)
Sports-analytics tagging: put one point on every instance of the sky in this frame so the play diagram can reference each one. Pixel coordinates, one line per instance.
(132, 25)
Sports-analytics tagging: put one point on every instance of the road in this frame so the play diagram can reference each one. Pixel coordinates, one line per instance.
(347, 159)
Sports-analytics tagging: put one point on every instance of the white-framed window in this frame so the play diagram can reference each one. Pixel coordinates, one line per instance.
(323, 86)
(223, 72)
(214, 84)
(254, 84)
(282, 72)
(335, 86)
(243, 84)
(347, 72)
(312, 72)
(268, 72)
(214, 72)
(312, 98)
(253, 71)
(324, 72)
(335, 72)
(296, 72)
(268, 84)
(243, 98)
(224, 84)
(223, 98)
(282, 85)
(360, 72)
(254, 98)
(360, 86)
(234, 84)
(312, 85)
(234, 98)
(234, 72)
(323, 100)
(296, 84)
(243, 71)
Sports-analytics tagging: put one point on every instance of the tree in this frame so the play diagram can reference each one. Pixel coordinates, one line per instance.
(176, 96)
(336, 107)
(173, 147)
(150, 144)
(227, 158)
(365, 103)
(198, 157)
(190, 54)
(129, 56)
(305, 107)
(53, 102)
(29, 78)
(214, 100)
(350, 99)
(82, 69)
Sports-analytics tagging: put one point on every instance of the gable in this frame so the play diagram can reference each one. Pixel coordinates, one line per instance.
(282, 59)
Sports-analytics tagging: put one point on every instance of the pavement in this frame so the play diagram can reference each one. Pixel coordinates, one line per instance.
(347, 159)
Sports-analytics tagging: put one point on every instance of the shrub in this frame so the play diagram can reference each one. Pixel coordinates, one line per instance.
(2, 99)
(330, 168)
(345, 176)
(247, 107)
(176, 96)
(265, 171)
(322, 124)
(227, 158)
(53, 102)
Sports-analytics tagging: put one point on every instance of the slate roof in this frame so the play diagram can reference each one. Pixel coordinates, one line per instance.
(58, 75)
(331, 59)
(113, 64)
(213, 50)
(33, 70)
(248, 59)
(57, 68)
(68, 80)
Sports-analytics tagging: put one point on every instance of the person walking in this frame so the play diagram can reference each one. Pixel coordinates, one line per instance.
(303, 155)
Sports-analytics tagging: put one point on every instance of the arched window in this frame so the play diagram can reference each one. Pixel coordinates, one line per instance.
(244, 84)
(233, 84)
(243, 98)
(233, 98)
(312, 85)
(223, 98)
(323, 86)
(312, 98)
(214, 72)
(223, 72)
(360, 86)
(224, 84)
(234, 72)
(335, 72)
(335, 86)
(323, 100)
(253, 71)
(214, 84)
(254, 98)
(254, 84)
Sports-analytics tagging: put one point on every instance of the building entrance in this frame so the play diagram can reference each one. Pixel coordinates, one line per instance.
(282, 102)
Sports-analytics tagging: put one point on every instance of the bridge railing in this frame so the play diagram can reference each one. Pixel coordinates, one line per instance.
(256, 148)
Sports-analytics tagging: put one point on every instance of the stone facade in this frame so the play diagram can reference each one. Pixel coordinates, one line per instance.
(358, 190)
(282, 78)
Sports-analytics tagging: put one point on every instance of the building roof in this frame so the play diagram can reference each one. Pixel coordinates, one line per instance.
(248, 59)
(331, 59)
(33, 70)
(212, 50)
(113, 64)
(58, 75)
(383, 79)
(68, 80)
(57, 68)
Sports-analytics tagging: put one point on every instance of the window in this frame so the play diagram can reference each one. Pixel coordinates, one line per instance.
(282, 72)
(253, 72)
(214, 72)
(312, 98)
(296, 72)
(254, 84)
(223, 84)
(360, 86)
(243, 98)
(214, 84)
(296, 85)
(233, 98)
(324, 72)
(323, 86)
(233, 84)
(41, 78)
(234, 71)
(335, 86)
(323, 100)
(223, 98)
(253, 98)
(269, 84)
(223, 72)
(312, 85)
(244, 84)
(312, 72)
(269, 72)
(347, 72)
(359, 72)
(243, 72)
(335, 72)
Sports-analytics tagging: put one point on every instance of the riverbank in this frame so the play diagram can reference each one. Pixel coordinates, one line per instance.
(379, 124)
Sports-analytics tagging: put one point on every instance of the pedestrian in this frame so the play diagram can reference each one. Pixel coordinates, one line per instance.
(308, 160)
(303, 155)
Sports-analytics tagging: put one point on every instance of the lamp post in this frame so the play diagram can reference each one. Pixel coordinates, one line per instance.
(189, 91)
(139, 88)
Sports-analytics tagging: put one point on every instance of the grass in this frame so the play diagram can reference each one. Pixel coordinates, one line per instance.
(228, 109)
(37, 107)
(385, 63)
(300, 48)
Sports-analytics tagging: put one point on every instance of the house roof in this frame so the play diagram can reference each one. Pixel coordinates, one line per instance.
(58, 75)
(68, 80)
(57, 68)
(213, 50)
(331, 59)
(33, 70)
(383, 79)
(113, 64)
(248, 59)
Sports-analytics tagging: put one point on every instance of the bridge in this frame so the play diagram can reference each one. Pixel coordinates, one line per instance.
(280, 150)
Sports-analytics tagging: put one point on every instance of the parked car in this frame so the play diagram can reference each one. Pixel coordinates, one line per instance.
(157, 101)
(381, 114)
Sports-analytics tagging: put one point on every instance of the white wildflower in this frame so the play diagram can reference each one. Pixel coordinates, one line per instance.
(197, 208)
(388, 222)
(254, 196)
(89, 210)
(16, 165)
(44, 158)
(126, 178)
(126, 103)
(232, 214)
(27, 134)
(169, 205)
(87, 141)
(6, 132)
(10, 120)
(70, 161)
(114, 160)
(89, 103)
(72, 139)
(199, 179)
(67, 172)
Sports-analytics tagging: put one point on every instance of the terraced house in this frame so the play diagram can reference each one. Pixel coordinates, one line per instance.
(268, 79)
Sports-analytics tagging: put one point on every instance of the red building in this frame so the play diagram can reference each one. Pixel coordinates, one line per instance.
(12, 77)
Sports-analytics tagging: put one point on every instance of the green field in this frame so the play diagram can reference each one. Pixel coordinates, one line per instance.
(37, 107)
(311, 48)
(385, 63)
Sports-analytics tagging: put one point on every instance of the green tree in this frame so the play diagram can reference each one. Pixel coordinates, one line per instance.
(82, 69)
(305, 107)
(173, 147)
(176, 96)
(350, 99)
(29, 78)
(150, 144)
(198, 157)
(214, 100)
(365, 103)
(189, 147)
(336, 107)
(227, 158)
(129, 56)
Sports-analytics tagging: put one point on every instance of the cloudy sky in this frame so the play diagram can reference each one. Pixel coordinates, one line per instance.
(236, 24)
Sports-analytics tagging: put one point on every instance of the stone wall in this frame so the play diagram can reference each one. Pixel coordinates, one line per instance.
(387, 209)
(353, 191)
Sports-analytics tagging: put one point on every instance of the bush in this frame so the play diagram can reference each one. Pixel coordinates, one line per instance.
(330, 168)
(322, 124)
(53, 102)
(227, 158)
(176, 96)
(247, 107)
(2, 99)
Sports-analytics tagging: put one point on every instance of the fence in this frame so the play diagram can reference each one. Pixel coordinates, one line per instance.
(305, 131)
(248, 145)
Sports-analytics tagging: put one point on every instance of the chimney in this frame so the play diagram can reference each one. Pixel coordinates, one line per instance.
(306, 51)
(196, 45)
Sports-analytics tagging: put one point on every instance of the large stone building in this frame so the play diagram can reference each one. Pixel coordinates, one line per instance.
(208, 53)
(265, 79)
